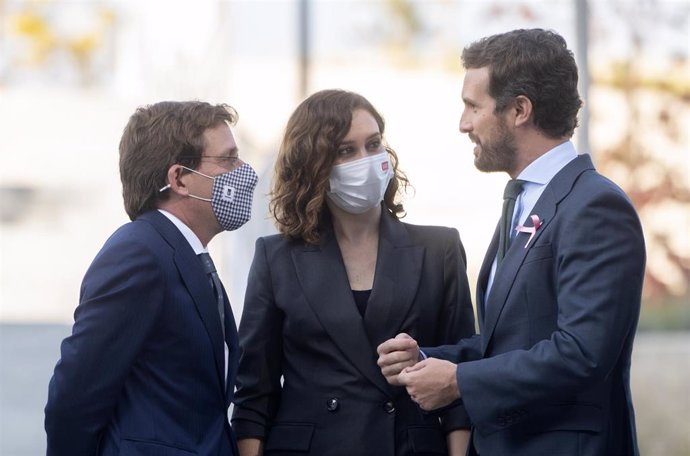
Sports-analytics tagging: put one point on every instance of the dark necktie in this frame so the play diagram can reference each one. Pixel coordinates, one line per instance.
(210, 269)
(512, 190)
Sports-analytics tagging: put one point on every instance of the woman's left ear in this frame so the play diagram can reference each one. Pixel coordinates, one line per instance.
(523, 110)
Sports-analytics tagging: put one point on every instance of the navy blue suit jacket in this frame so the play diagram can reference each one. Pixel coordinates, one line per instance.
(142, 372)
(557, 328)
(300, 322)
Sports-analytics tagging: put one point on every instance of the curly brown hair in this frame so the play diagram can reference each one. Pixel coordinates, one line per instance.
(306, 157)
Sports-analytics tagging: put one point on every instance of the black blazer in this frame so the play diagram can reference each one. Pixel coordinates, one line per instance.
(300, 322)
(143, 371)
(557, 328)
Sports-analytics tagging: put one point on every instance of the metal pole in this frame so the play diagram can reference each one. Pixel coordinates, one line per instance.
(303, 48)
(582, 27)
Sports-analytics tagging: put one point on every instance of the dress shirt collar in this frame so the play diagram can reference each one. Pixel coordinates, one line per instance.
(187, 232)
(542, 170)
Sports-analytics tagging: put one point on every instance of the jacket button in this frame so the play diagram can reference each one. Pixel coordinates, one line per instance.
(389, 407)
(332, 404)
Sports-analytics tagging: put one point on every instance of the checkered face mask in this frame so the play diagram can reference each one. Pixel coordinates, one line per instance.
(232, 195)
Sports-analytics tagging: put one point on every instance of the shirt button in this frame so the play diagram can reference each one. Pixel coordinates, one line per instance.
(332, 404)
(389, 407)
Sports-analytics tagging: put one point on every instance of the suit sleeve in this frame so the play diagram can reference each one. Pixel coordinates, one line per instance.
(122, 293)
(599, 259)
(260, 369)
(456, 321)
(467, 349)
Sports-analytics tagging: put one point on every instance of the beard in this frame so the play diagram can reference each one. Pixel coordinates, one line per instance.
(498, 152)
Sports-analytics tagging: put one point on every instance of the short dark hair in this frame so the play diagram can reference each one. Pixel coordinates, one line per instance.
(158, 136)
(306, 158)
(537, 64)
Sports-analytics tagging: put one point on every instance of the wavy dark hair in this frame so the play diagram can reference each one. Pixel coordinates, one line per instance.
(535, 63)
(306, 157)
(158, 136)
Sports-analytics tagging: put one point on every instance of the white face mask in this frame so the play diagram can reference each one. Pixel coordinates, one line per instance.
(360, 185)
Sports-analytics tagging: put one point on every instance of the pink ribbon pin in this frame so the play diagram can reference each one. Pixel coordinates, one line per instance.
(531, 230)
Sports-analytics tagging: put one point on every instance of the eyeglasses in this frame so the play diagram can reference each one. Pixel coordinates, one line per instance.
(222, 160)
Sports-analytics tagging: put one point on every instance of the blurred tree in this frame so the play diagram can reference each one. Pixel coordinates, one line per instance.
(647, 160)
(655, 106)
(403, 31)
(42, 39)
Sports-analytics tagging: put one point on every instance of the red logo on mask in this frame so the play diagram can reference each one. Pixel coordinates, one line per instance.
(384, 166)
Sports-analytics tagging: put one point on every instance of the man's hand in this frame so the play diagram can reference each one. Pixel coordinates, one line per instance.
(431, 383)
(395, 355)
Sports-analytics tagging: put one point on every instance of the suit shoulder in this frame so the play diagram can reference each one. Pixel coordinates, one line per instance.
(432, 233)
(131, 249)
(273, 240)
(596, 199)
(134, 236)
(275, 244)
(592, 186)
(430, 230)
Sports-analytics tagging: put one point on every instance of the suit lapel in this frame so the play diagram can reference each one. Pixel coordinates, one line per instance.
(507, 271)
(546, 207)
(398, 271)
(483, 279)
(231, 339)
(322, 276)
(205, 301)
(196, 282)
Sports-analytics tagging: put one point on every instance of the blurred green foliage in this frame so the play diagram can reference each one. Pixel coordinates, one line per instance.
(671, 313)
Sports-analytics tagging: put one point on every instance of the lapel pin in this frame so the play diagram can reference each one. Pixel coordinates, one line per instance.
(531, 230)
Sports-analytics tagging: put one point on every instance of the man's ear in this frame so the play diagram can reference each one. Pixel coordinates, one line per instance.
(175, 181)
(523, 110)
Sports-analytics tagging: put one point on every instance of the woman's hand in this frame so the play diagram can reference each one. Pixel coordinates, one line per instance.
(397, 354)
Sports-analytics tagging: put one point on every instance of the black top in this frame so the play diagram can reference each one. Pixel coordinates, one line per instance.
(361, 299)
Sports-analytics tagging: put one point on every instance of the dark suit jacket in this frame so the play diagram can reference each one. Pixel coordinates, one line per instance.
(300, 322)
(557, 328)
(142, 372)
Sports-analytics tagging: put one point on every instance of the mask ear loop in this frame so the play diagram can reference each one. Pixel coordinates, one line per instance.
(166, 187)
(208, 200)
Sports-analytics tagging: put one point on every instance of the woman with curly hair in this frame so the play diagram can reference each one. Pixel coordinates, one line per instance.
(344, 275)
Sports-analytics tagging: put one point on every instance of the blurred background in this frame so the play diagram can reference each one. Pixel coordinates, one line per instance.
(72, 72)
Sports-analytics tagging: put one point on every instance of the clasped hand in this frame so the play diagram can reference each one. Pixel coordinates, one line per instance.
(431, 383)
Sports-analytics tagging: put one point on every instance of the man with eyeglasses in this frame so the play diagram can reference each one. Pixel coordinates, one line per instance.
(150, 366)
